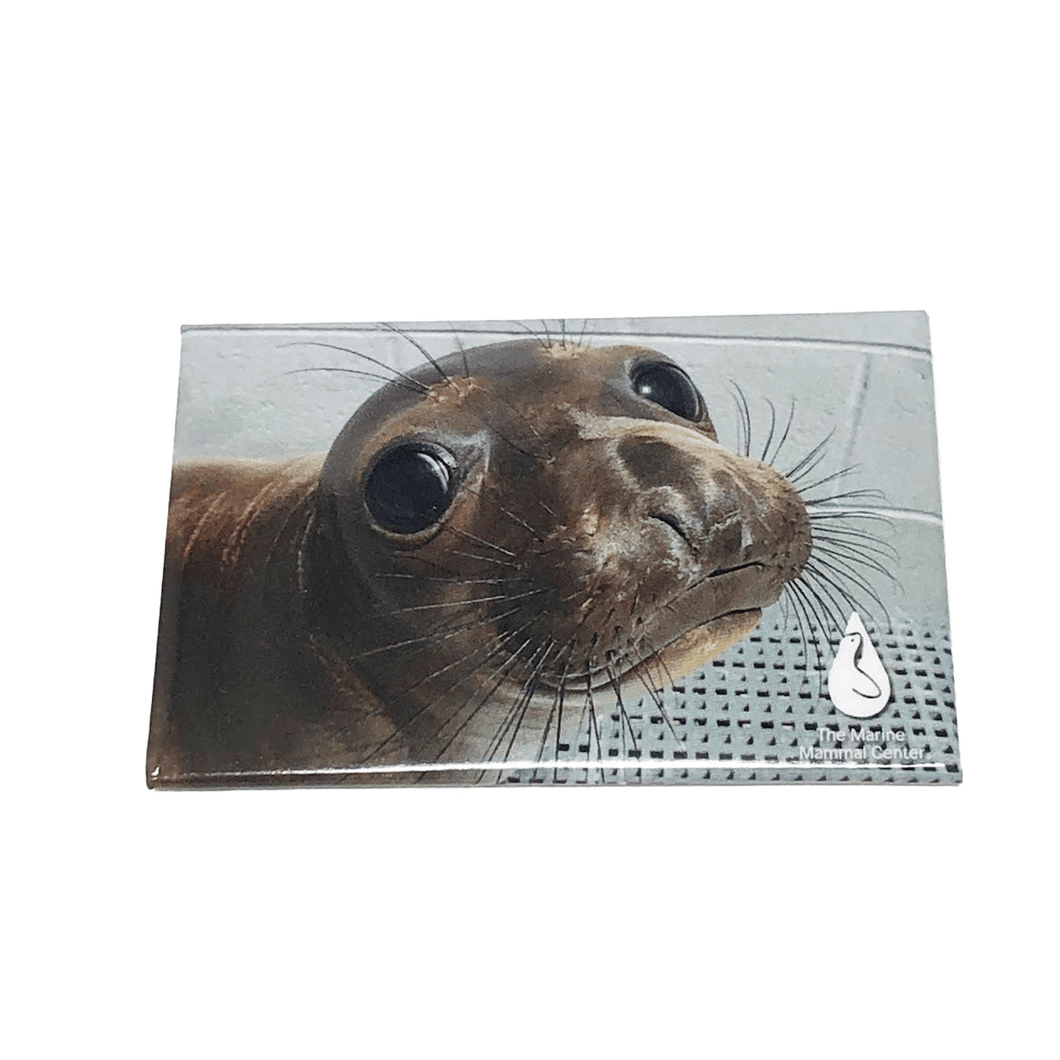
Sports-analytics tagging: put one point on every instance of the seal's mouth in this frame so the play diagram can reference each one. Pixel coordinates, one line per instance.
(663, 666)
(698, 646)
(636, 653)
(676, 638)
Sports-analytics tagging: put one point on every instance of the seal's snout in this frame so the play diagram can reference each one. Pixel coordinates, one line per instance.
(726, 510)
(750, 515)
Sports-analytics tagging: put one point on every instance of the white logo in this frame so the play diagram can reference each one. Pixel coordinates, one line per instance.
(857, 682)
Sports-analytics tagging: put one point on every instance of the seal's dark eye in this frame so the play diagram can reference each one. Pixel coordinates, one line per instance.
(667, 385)
(409, 489)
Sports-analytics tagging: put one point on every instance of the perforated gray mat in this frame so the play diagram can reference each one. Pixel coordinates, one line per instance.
(761, 713)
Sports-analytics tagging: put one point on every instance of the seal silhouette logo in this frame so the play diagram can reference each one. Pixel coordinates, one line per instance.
(857, 682)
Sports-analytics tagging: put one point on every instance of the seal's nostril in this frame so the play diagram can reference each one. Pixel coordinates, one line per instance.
(674, 524)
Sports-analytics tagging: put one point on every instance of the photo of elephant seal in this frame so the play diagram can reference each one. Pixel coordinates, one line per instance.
(498, 544)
